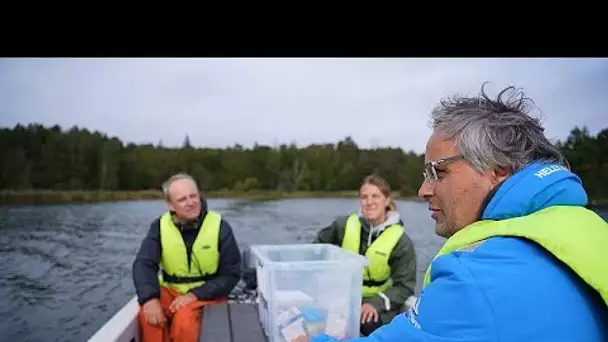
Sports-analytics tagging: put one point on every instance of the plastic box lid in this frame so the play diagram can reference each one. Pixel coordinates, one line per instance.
(310, 255)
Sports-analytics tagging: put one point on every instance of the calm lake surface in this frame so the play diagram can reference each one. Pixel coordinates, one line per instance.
(67, 268)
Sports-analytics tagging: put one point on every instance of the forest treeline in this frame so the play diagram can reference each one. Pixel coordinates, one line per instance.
(51, 158)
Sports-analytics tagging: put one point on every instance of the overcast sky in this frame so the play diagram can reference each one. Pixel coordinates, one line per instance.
(220, 102)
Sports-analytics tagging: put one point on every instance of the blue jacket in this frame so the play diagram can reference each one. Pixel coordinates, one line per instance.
(505, 289)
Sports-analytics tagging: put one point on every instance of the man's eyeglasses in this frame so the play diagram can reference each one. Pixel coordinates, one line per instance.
(430, 173)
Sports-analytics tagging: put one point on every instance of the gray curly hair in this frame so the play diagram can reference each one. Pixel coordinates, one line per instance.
(495, 133)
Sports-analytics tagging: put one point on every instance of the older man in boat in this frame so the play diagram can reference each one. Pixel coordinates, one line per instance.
(200, 264)
(524, 259)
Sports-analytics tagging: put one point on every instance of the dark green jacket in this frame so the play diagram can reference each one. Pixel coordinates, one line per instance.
(402, 262)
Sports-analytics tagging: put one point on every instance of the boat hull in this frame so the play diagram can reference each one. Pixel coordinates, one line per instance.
(122, 327)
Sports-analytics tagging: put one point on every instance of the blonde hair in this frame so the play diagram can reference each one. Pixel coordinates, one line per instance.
(385, 189)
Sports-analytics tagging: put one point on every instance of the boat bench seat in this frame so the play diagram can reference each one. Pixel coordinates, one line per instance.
(234, 322)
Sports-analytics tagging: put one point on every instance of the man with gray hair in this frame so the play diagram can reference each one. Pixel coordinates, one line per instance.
(524, 259)
(199, 259)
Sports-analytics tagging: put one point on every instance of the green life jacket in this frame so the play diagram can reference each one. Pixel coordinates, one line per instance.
(377, 273)
(177, 273)
(575, 235)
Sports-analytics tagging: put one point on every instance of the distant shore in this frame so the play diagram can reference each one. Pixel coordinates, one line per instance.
(57, 196)
(84, 196)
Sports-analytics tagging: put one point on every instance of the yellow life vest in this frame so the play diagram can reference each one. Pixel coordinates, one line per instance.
(176, 272)
(575, 235)
(377, 273)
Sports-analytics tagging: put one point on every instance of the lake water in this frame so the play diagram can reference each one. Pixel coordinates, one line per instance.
(67, 268)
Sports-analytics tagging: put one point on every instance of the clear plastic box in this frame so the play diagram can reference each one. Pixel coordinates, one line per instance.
(308, 289)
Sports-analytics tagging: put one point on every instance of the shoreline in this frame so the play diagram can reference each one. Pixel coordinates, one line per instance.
(18, 197)
(33, 196)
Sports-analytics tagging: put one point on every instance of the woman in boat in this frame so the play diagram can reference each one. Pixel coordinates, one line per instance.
(377, 233)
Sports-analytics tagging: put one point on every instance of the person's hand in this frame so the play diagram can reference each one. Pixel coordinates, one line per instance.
(181, 301)
(368, 313)
(153, 312)
(300, 339)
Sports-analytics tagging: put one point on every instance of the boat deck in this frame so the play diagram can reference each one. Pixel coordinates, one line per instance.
(232, 322)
